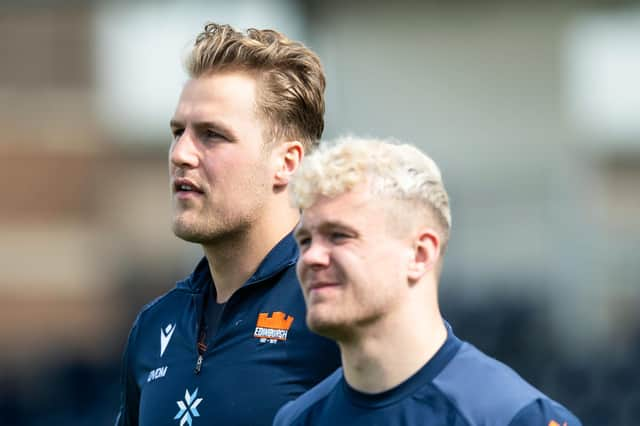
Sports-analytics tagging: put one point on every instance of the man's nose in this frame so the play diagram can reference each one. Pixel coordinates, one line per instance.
(183, 151)
(315, 255)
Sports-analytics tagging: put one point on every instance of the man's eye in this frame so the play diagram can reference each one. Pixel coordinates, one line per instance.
(177, 133)
(212, 134)
(304, 241)
(339, 236)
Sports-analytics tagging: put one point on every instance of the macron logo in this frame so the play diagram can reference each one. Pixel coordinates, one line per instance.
(165, 336)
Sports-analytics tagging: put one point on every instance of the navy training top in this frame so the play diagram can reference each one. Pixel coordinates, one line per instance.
(459, 386)
(261, 355)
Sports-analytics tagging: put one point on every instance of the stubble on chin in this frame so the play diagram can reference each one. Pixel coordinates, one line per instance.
(326, 325)
(186, 231)
(210, 232)
(189, 228)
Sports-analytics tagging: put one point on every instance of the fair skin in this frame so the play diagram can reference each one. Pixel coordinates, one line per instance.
(229, 188)
(371, 288)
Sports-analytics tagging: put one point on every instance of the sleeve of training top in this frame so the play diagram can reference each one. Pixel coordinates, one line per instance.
(130, 394)
(544, 412)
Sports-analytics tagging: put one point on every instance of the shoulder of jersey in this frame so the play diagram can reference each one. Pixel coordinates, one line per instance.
(291, 411)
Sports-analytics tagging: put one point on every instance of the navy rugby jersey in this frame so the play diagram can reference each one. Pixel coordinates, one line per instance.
(459, 386)
(260, 356)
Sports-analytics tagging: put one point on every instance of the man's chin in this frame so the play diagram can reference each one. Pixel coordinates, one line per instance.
(205, 236)
(189, 234)
(324, 327)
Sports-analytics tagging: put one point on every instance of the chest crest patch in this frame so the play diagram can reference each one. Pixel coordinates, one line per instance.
(272, 328)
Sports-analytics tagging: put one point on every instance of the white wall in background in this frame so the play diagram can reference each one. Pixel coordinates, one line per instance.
(604, 78)
(139, 52)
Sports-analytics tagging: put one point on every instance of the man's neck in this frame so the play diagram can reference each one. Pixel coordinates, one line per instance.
(381, 359)
(234, 260)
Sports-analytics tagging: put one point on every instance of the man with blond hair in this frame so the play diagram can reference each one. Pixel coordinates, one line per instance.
(229, 344)
(372, 237)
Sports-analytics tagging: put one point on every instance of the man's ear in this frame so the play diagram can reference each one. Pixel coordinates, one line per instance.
(426, 253)
(289, 155)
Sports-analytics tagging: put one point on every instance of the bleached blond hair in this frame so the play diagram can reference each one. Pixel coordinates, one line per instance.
(395, 171)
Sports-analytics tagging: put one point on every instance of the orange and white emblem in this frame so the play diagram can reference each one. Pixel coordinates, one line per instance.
(274, 327)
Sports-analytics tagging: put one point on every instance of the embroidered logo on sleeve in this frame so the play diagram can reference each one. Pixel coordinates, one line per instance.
(554, 423)
(272, 328)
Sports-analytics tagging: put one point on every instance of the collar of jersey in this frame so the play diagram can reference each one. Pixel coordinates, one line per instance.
(421, 378)
(281, 256)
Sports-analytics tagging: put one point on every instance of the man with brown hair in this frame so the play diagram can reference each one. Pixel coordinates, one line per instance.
(229, 345)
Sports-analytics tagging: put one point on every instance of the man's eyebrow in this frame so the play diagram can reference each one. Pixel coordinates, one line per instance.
(210, 124)
(324, 228)
(334, 224)
(175, 123)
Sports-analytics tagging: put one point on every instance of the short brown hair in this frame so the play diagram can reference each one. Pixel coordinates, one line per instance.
(290, 77)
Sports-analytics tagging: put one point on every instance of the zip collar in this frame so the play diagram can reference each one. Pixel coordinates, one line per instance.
(281, 256)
